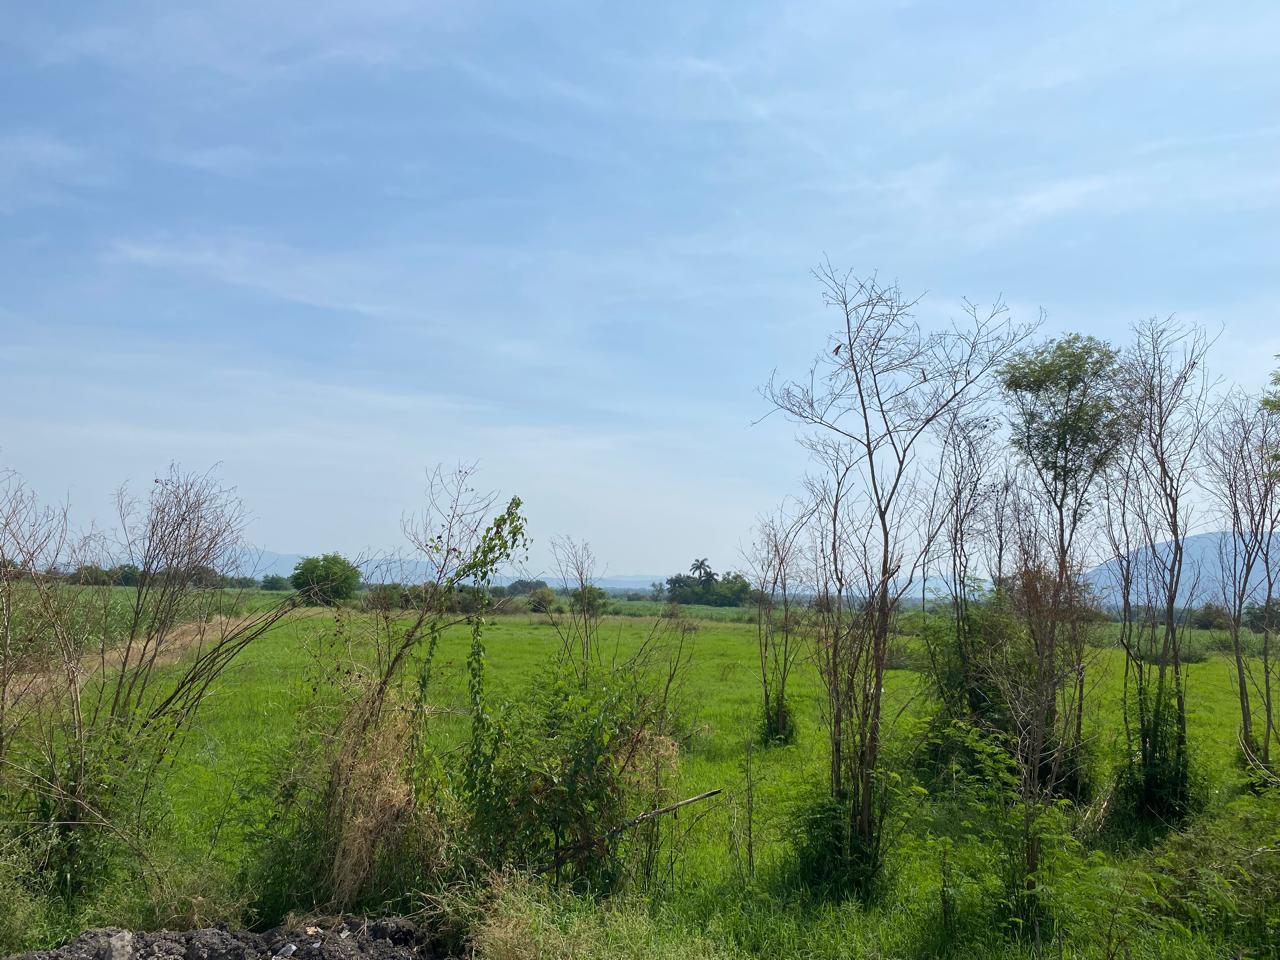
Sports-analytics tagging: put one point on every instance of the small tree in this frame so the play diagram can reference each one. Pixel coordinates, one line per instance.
(1149, 512)
(781, 615)
(874, 396)
(274, 581)
(542, 599)
(330, 579)
(1067, 427)
(1239, 457)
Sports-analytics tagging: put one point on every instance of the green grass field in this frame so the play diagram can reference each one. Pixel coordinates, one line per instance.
(222, 780)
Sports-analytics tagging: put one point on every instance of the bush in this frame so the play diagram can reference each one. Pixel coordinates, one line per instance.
(520, 588)
(386, 597)
(542, 600)
(1159, 790)
(330, 580)
(552, 780)
(1211, 616)
(273, 581)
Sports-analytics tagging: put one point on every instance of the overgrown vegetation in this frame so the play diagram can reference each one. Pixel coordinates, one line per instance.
(927, 737)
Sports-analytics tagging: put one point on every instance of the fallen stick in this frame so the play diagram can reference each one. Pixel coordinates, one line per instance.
(645, 817)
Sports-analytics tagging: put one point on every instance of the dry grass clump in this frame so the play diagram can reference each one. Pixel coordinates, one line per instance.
(525, 921)
(371, 804)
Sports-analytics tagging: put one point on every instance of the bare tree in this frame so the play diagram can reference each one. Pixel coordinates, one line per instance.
(579, 629)
(871, 400)
(782, 613)
(968, 494)
(1245, 486)
(1150, 515)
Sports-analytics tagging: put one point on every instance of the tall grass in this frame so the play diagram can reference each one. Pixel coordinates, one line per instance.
(220, 794)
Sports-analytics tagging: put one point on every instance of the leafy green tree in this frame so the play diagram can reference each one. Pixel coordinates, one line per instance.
(273, 581)
(542, 599)
(519, 588)
(125, 575)
(588, 599)
(91, 575)
(1067, 418)
(702, 570)
(1211, 616)
(204, 576)
(330, 579)
(1068, 426)
(1263, 616)
(1271, 400)
(733, 590)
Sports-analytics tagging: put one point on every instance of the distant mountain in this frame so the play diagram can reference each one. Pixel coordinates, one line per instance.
(1202, 574)
(265, 563)
(262, 563)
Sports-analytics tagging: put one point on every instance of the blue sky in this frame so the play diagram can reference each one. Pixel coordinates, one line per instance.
(328, 245)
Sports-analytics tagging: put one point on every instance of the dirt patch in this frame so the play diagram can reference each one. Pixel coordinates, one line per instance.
(394, 939)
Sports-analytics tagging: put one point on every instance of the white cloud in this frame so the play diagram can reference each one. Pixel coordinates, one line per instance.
(37, 168)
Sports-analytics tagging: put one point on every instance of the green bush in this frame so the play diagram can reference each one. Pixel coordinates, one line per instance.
(551, 779)
(330, 580)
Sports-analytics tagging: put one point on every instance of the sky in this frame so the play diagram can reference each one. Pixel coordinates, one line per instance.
(325, 246)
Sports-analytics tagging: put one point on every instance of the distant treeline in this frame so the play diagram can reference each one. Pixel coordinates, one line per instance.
(129, 575)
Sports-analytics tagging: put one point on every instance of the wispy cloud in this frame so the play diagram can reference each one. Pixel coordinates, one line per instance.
(37, 168)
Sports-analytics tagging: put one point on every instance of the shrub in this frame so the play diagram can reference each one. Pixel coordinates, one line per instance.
(1157, 788)
(1211, 616)
(552, 779)
(520, 588)
(329, 580)
(386, 597)
(542, 600)
(1222, 875)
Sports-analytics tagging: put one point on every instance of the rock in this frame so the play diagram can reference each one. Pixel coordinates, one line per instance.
(401, 932)
(386, 939)
(218, 945)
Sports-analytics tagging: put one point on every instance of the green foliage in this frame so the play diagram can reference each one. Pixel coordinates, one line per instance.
(1068, 417)
(521, 588)
(275, 582)
(1271, 400)
(709, 588)
(778, 722)
(27, 919)
(1200, 893)
(1211, 616)
(549, 780)
(329, 580)
(1263, 616)
(956, 649)
(91, 575)
(387, 597)
(542, 599)
(1157, 786)
(588, 599)
(1221, 876)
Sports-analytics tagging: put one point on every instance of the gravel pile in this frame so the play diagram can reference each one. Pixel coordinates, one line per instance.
(377, 940)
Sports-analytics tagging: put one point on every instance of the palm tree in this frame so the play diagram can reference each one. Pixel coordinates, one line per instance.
(702, 570)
